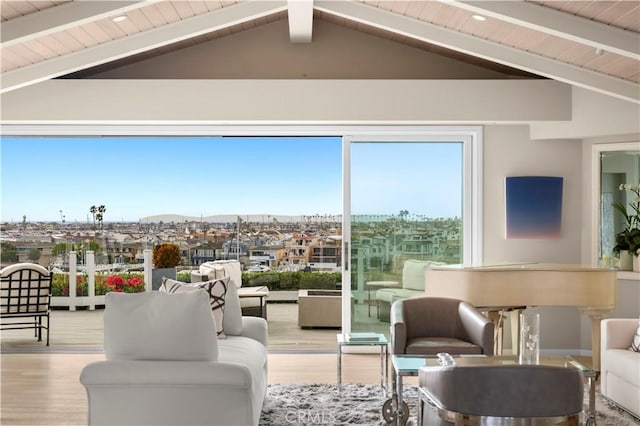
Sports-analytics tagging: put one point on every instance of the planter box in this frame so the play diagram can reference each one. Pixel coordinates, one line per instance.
(319, 308)
(158, 273)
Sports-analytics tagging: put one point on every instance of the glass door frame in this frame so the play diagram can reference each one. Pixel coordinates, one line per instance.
(471, 138)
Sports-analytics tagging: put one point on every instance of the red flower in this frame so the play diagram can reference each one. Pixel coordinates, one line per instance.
(135, 281)
(115, 283)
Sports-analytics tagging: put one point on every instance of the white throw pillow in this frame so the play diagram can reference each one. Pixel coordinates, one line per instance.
(635, 343)
(159, 327)
(215, 289)
(232, 320)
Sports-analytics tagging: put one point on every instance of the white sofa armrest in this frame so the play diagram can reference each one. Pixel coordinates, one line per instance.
(617, 333)
(169, 373)
(255, 328)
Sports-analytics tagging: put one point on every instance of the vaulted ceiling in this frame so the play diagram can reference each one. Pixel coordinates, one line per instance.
(589, 44)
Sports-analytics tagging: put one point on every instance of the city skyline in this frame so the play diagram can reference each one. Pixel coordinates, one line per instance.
(51, 179)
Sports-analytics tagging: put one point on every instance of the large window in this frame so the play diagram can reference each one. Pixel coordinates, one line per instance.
(409, 200)
(414, 195)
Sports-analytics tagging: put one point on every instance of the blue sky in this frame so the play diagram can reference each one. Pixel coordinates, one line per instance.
(193, 176)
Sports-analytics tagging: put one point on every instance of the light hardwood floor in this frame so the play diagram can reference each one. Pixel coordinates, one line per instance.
(40, 385)
(43, 388)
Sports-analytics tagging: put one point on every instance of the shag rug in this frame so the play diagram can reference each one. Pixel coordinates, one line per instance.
(361, 405)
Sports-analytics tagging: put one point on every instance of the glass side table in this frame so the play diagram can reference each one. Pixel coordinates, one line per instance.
(366, 339)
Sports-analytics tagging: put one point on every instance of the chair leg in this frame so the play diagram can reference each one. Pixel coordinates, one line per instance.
(39, 329)
(48, 328)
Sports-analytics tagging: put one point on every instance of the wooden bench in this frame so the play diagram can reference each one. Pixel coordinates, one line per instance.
(25, 292)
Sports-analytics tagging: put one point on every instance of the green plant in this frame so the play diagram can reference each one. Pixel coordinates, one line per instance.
(184, 276)
(126, 283)
(292, 280)
(166, 255)
(8, 252)
(629, 238)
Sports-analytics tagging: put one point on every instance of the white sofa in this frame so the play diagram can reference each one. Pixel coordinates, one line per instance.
(165, 366)
(619, 366)
(413, 284)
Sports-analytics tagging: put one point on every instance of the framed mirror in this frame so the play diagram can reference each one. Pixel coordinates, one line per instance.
(613, 165)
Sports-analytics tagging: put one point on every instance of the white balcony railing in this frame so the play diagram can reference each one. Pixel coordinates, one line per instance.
(91, 300)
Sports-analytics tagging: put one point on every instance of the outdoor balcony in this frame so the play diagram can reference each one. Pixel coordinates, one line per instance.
(82, 331)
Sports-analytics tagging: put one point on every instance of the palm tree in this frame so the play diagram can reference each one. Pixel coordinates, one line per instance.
(93, 210)
(101, 211)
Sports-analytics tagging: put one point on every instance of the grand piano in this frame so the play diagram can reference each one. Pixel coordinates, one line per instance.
(513, 287)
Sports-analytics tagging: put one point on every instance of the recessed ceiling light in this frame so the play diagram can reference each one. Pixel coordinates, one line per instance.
(119, 18)
(479, 18)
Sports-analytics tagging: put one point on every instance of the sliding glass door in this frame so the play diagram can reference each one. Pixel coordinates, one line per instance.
(407, 201)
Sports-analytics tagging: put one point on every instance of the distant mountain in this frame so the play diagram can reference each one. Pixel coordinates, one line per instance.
(222, 218)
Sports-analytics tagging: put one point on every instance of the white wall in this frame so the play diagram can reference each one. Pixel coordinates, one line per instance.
(593, 115)
(508, 151)
(267, 52)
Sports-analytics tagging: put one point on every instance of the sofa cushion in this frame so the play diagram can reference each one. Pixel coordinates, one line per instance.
(413, 273)
(232, 320)
(215, 289)
(635, 343)
(251, 354)
(232, 269)
(390, 295)
(624, 364)
(154, 326)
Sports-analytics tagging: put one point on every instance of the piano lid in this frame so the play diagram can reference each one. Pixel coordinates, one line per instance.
(525, 284)
(519, 266)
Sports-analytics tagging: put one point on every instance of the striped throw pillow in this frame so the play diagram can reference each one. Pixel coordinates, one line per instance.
(216, 289)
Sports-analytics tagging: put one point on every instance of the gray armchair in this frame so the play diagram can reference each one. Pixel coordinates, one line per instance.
(429, 325)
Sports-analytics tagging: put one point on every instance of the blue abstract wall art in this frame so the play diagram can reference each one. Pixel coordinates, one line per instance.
(534, 206)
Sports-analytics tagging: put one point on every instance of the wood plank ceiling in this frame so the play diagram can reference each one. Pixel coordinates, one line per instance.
(593, 44)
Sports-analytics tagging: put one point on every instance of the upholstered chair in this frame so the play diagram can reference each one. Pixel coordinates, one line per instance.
(429, 325)
(500, 394)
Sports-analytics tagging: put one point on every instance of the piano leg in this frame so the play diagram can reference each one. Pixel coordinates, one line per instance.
(496, 318)
(596, 317)
(515, 330)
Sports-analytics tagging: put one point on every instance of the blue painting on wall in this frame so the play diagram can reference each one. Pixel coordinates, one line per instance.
(534, 206)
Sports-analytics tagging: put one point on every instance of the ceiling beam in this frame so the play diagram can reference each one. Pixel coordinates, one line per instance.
(62, 17)
(475, 46)
(137, 43)
(300, 20)
(557, 23)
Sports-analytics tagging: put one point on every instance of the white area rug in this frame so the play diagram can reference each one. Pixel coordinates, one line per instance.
(361, 405)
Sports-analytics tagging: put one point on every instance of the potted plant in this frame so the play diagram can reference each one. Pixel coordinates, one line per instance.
(166, 257)
(628, 240)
